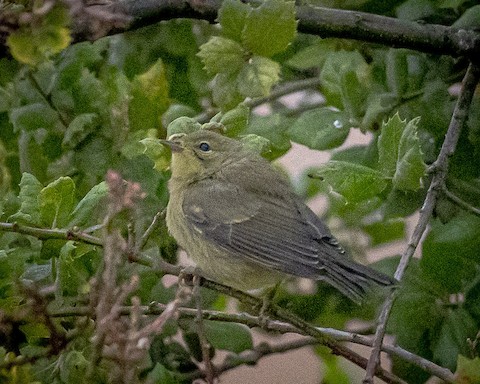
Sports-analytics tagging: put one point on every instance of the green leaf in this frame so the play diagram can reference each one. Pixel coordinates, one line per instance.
(160, 374)
(73, 368)
(175, 111)
(274, 128)
(229, 336)
(34, 332)
(224, 92)
(85, 209)
(388, 143)
(353, 181)
(470, 19)
(79, 128)
(232, 16)
(312, 56)
(29, 212)
(450, 252)
(33, 116)
(270, 28)
(468, 370)
(320, 128)
(255, 143)
(354, 94)
(452, 340)
(56, 202)
(72, 275)
(222, 55)
(400, 156)
(37, 41)
(336, 65)
(385, 231)
(257, 77)
(235, 121)
(183, 125)
(149, 98)
(157, 152)
(397, 71)
(410, 166)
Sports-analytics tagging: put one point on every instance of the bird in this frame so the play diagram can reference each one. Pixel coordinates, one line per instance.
(240, 221)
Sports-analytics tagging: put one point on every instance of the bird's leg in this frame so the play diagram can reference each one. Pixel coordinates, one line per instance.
(188, 275)
(267, 300)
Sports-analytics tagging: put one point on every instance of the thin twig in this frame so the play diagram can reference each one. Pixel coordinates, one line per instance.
(438, 181)
(146, 235)
(284, 89)
(46, 233)
(460, 202)
(210, 371)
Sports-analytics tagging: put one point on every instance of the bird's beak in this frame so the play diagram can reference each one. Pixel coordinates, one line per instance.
(175, 146)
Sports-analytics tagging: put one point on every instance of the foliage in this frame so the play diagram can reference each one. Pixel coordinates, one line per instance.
(70, 115)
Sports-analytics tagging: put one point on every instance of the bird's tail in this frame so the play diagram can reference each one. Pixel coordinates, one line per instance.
(352, 279)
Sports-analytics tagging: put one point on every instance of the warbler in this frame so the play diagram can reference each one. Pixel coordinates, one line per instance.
(240, 221)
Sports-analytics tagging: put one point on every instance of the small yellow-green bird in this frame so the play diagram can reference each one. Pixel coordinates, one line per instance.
(243, 225)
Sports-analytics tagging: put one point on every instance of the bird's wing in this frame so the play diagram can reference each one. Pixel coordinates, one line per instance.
(274, 232)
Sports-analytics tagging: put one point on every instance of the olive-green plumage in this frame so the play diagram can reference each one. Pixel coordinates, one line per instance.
(242, 224)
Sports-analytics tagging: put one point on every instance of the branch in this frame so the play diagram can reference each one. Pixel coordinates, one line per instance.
(91, 22)
(440, 168)
(324, 22)
(46, 233)
(273, 326)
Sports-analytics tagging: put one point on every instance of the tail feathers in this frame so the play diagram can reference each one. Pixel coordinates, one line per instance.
(352, 279)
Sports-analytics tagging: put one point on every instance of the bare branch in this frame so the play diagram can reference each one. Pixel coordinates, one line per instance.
(437, 184)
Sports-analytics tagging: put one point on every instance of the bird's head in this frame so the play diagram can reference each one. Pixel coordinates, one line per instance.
(201, 153)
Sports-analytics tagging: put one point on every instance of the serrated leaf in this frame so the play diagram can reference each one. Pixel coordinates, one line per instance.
(232, 16)
(353, 181)
(388, 143)
(270, 28)
(29, 212)
(85, 209)
(410, 167)
(320, 128)
(56, 202)
(33, 116)
(222, 55)
(257, 77)
(228, 336)
(400, 156)
(79, 128)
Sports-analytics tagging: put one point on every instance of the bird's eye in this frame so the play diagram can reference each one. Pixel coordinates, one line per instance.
(205, 147)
